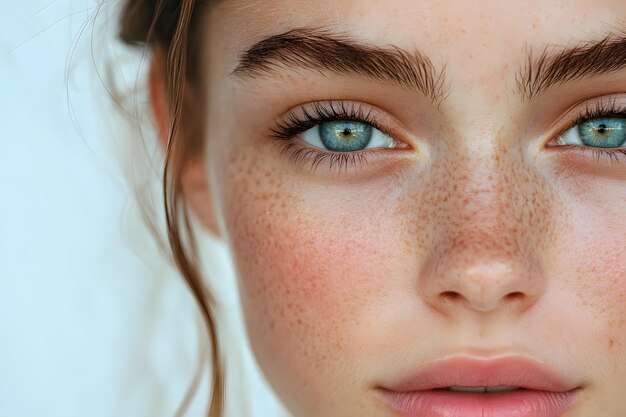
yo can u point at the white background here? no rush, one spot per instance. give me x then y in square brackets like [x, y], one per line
[93, 319]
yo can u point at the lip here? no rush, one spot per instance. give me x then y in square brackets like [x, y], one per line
[544, 392]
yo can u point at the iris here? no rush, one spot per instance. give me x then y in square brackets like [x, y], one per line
[603, 132]
[345, 136]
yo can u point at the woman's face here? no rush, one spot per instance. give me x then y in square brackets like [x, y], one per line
[458, 217]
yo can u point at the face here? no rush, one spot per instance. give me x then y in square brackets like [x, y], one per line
[424, 195]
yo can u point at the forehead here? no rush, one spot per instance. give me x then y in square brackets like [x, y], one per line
[432, 26]
[482, 46]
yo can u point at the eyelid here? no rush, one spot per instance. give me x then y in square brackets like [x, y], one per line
[287, 135]
[582, 111]
[378, 117]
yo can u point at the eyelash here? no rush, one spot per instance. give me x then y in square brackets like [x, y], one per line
[598, 110]
[318, 113]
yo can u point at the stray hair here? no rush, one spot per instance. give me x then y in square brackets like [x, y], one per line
[172, 27]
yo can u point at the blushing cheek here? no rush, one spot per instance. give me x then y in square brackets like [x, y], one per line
[301, 266]
[304, 284]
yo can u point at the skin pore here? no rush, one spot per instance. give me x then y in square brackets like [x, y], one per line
[476, 233]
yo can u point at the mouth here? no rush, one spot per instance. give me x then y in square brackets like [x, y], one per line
[468, 387]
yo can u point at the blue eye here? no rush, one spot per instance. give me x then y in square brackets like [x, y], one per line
[346, 136]
[602, 132]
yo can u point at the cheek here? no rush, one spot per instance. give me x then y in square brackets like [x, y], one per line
[305, 263]
[312, 261]
[602, 273]
[595, 260]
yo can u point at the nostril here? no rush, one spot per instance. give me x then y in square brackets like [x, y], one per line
[455, 297]
[450, 296]
[515, 296]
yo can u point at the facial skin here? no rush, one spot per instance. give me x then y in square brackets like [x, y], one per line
[478, 236]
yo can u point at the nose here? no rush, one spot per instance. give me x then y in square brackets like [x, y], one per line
[486, 286]
[492, 236]
[483, 281]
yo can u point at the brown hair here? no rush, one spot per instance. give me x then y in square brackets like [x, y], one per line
[170, 25]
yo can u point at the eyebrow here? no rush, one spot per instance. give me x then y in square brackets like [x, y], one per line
[585, 60]
[323, 51]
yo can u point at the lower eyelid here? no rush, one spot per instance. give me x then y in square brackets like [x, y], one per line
[303, 155]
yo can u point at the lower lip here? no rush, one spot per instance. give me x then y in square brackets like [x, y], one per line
[441, 403]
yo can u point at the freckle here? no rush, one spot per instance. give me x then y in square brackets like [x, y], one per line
[611, 343]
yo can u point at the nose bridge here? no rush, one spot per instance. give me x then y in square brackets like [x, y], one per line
[483, 255]
[487, 205]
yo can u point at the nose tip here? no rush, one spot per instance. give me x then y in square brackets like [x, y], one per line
[485, 287]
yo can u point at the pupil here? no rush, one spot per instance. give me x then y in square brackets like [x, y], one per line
[602, 129]
[347, 132]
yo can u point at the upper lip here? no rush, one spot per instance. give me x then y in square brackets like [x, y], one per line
[479, 372]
